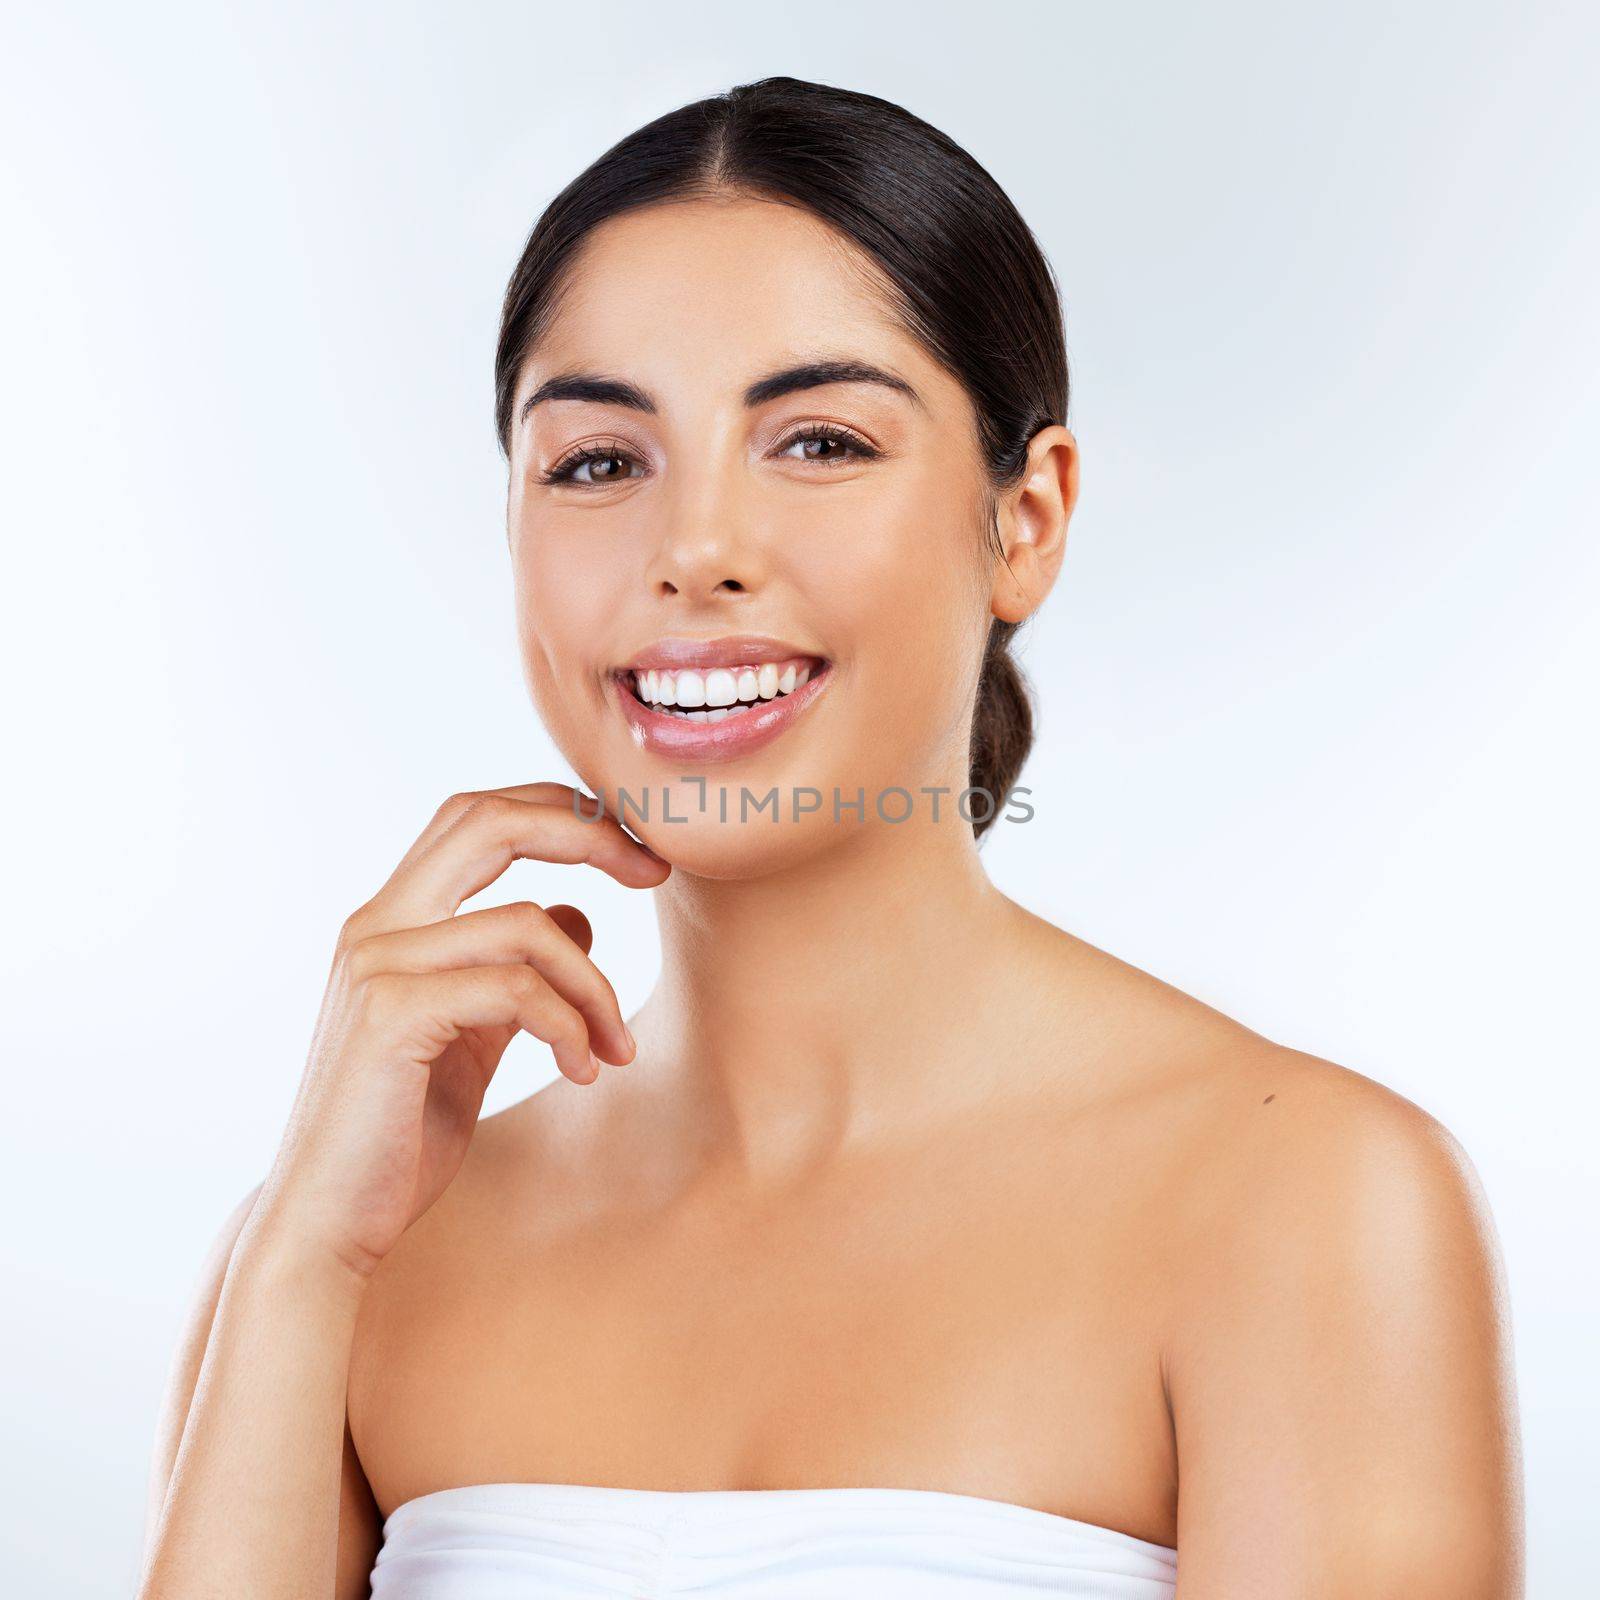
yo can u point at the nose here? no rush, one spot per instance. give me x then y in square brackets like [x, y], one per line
[709, 546]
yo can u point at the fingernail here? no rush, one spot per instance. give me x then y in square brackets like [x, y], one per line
[634, 1043]
[594, 1062]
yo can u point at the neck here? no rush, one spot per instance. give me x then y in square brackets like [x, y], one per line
[824, 1007]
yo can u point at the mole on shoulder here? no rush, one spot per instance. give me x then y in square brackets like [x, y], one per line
[1270, 1098]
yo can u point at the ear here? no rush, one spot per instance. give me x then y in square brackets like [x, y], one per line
[1033, 521]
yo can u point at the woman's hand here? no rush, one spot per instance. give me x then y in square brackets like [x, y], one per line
[420, 1006]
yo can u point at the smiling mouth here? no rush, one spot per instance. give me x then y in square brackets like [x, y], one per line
[718, 694]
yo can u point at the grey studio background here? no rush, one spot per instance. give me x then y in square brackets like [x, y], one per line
[1318, 681]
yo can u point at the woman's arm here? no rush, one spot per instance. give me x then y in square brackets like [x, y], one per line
[420, 1005]
[184, 1374]
[258, 1385]
[1341, 1386]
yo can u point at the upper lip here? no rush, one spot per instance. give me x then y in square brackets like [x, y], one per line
[731, 650]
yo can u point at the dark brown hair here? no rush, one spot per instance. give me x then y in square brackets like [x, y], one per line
[966, 274]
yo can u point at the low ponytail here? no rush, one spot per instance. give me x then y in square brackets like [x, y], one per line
[1002, 727]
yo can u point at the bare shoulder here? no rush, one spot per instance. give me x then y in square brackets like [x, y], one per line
[1337, 1343]
[1335, 1339]
[1276, 1159]
[1254, 1135]
[1289, 1150]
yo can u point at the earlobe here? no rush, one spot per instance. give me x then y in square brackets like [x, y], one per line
[1016, 591]
[1033, 525]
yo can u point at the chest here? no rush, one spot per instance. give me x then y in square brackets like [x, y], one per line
[955, 1330]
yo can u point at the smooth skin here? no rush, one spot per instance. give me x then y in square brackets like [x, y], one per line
[903, 1185]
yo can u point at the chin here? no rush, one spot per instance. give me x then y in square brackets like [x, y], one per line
[732, 851]
[693, 818]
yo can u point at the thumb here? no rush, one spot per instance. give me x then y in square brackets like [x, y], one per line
[574, 924]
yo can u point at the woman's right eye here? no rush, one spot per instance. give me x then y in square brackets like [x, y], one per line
[590, 456]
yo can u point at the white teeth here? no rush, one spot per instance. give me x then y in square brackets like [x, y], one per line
[720, 690]
[715, 714]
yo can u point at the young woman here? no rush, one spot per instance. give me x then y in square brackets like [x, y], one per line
[902, 1243]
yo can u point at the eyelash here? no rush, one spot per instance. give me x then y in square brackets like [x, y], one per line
[563, 470]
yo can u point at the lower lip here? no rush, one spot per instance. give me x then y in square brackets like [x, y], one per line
[663, 734]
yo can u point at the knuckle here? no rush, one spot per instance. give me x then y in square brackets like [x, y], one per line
[528, 916]
[478, 809]
[357, 961]
[378, 998]
[572, 1030]
[494, 810]
[354, 928]
[523, 981]
[457, 806]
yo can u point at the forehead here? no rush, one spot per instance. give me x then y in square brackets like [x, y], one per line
[707, 291]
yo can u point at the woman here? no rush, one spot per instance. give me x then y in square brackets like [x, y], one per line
[902, 1243]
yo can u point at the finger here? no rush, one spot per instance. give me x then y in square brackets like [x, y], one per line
[488, 833]
[578, 801]
[548, 793]
[450, 811]
[424, 1012]
[521, 932]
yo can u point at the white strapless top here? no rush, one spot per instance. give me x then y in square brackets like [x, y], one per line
[573, 1541]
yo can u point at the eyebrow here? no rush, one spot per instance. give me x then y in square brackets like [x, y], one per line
[787, 380]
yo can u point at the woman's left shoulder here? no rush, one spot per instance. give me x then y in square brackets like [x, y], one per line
[1336, 1348]
[1302, 1175]
[1301, 1135]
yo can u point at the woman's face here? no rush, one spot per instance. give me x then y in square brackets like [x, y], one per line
[705, 514]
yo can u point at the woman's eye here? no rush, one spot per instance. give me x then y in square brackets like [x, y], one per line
[599, 466]
[594, 458]
[832, 446]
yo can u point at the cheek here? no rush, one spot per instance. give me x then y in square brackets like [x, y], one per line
[896, 566]
[563, 596]
[907, 595]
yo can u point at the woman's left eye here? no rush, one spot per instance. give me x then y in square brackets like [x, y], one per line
[846, 446]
